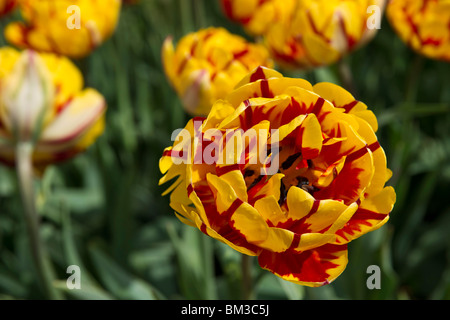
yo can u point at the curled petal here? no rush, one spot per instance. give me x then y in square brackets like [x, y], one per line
[372, 214]
[80, 114]
[313, 268]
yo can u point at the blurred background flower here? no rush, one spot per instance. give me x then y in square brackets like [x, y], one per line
[328, 190]
[7, 6]
[256, 16]
[207, 64]
[42, 101]
[70, 28]
[423, 25]
[320, 32]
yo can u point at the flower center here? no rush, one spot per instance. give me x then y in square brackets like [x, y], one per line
[297, 171]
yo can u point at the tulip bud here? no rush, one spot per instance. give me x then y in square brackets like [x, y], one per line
[27, 94]
[43, 105]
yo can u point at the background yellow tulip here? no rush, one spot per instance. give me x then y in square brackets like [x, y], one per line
[71, 28]
[321, 32]
[423, 25]
[206, 65]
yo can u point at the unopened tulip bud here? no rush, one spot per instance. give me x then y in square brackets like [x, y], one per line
[43, 105]
[26, 96]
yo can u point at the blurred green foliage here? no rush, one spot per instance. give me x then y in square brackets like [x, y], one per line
[104, 212]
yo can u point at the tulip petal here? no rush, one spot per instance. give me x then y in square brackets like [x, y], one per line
[371, 215]
[352, 181]
[313, 268]
[270, 210]
[76, 118]
[243, 217]
[343, 99]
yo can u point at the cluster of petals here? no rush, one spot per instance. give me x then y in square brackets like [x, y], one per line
[308, 33]
[206, 65]
[328, 189]
[73, 28]
[424, 25]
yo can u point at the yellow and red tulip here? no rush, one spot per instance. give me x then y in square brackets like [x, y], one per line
[320, 185]
[321, 32]
[42, 101]
[206, 65]
[257, 16]
[7, 6]
[73, 28]
[424, 25]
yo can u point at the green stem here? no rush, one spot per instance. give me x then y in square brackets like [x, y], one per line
[187, 23]
[199, 14]
[247, 284]
[413, 80]
[25, 175]
[346, 76]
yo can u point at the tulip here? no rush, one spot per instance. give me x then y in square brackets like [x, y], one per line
[66, 27]
[423, 25]
[322, 32]
[42, 103]
[297, 173]
[45, 117]
[257, 16]
[206, 65]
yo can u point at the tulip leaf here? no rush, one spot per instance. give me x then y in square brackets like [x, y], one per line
[195, 258]
[86, 292]
[119, 281]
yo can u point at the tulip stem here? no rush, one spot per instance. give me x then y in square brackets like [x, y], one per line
[246, 277]
[346, 76]
[24, 169]
[413, 80]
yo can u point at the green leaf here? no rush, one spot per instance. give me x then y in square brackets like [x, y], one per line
[293, 291]
[86, 292]
[194, 252]
[118, 281]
